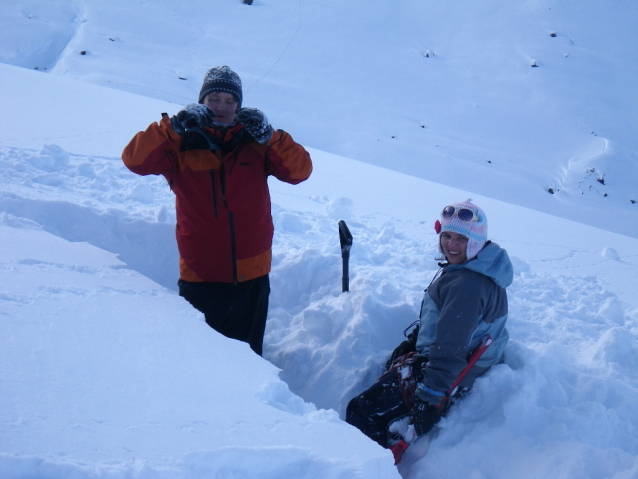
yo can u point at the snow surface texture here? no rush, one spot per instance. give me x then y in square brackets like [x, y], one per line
[530, 97]
[106, 373]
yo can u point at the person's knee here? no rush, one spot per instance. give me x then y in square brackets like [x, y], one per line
[354, 412]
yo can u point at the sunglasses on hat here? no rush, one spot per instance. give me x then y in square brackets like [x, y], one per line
[464, 214]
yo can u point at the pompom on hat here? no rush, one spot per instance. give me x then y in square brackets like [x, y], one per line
[475, 229]
[221, 79]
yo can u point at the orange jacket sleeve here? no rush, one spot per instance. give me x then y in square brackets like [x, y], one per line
[154, 151]
[288, 160]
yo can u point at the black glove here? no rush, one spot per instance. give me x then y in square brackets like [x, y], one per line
[256, 124]
[191, 116]
[414, 334]
[424, 416]
[428, 405]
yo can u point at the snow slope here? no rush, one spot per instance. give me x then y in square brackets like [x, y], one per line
[105, 372]
[444, 91]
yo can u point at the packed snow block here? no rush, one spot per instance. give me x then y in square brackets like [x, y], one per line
[617, 349]
[340, 208]
[102, 366]
[277, 463]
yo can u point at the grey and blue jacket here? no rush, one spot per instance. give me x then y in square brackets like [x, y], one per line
[464, 304]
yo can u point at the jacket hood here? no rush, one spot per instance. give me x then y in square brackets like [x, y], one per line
[492, 261]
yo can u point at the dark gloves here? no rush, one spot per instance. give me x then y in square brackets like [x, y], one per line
[425, 408]
[191, 116]
[424, 416]
[256, 124]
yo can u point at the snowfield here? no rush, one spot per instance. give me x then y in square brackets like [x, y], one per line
[444, 91]
[105, 372]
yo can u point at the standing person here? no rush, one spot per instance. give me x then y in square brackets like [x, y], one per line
[464, 304]
[216, 157]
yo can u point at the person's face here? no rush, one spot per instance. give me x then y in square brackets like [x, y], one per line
[454, 247]
[223, 105]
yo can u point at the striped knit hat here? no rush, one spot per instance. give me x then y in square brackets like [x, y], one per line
[221, 79]
[476, 231]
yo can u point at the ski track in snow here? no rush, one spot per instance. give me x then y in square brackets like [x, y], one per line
[571, 365]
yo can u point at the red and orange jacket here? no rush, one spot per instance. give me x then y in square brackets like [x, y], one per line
[224, 224]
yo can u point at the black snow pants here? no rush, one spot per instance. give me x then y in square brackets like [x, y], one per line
[389, 399]
[377, 407]
[237, 311]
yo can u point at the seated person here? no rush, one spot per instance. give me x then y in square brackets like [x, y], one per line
[465, 304]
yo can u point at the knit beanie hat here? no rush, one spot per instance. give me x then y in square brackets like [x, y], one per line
[221, 79]
[476, 231]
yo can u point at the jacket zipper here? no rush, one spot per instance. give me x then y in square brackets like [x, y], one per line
[231, 220]
[212, 182]
[231, 225]
[233, 247]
